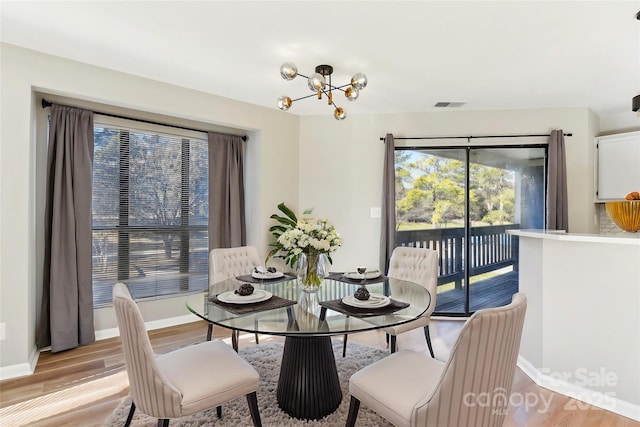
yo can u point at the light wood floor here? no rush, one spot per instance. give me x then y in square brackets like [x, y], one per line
[81, 387]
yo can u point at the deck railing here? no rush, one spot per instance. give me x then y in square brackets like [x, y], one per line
[491, 249]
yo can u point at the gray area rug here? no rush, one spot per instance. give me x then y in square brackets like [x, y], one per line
[266, 358]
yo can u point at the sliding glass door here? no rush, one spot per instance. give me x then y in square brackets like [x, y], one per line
[461, 201]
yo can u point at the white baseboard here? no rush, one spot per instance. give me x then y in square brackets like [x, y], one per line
[154, 324]
[21, 369]
[595, 398]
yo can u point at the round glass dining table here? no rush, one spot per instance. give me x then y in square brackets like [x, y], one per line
[308, 386]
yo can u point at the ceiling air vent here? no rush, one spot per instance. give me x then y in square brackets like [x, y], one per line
[449, 104]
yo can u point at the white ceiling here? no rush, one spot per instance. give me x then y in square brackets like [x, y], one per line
[491, 55]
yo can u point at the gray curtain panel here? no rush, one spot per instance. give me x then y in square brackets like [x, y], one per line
[388, 218]
[227, 227]
[557, 217]
[66, 319]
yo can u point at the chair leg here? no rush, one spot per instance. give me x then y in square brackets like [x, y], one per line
[163, 422]
[130, 416]
[344, 345]
[252, 400]
[234, 339]
[393, 343]
[209, 331]
[219, 411]
[257, 342]
[387, 338]
[428, 337]
[354, 406]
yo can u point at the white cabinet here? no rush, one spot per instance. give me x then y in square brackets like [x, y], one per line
[617, 162]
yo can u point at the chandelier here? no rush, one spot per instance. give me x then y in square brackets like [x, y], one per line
[318, 83]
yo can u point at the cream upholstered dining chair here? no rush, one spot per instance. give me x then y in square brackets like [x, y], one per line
[225, 263]
[471, 389]
[184, 381]
[419, 265]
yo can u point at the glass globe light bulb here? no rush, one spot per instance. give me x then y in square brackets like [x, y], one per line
[351, 93]
[284, 103]
[359, 81]
[288, 71]
[317, 82]
[340, 114]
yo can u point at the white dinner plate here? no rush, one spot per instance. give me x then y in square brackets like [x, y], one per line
[354, 275]
[267, 275]
[374, 301]
[258, 295]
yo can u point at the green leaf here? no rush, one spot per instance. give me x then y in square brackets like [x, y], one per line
[284, 220]
[278, 228]
[288, 212]
[271, 254]
[292, 261]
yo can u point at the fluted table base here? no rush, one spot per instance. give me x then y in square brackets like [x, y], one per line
[308, 387]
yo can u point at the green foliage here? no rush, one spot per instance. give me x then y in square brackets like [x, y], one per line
[433, 190]
[286, 222]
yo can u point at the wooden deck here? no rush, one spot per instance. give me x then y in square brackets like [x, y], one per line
[492, 292]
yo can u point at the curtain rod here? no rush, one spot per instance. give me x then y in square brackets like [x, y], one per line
[475, 137]
[46, 104]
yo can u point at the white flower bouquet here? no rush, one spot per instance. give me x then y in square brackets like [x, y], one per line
[295, 236]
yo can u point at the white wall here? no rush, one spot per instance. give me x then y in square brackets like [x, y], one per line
[272, 173]
[618, 123]
[342, 164]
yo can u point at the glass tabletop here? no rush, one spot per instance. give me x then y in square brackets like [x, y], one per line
[313, 314]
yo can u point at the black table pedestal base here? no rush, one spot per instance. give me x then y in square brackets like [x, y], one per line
[308, 387]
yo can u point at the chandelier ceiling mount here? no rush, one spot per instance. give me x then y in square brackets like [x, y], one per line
[320, 83]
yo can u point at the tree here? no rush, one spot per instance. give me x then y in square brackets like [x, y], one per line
[431, 189]
[496, 194]
[448, 202]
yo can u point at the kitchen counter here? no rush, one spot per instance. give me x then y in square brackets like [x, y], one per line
[582, 329]
[622, 238]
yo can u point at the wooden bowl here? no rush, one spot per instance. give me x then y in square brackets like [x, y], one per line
[625, 214]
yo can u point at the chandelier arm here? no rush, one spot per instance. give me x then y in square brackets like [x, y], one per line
[339, 87]
[304, 97]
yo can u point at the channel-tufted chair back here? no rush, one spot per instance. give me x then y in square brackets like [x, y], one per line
[151, 391]
[183, 381]
[471, 388]
[482, 363]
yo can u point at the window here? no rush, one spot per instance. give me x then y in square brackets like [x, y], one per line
[461, 201]
[150, 209]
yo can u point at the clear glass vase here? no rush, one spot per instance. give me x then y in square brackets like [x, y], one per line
[311, 269]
